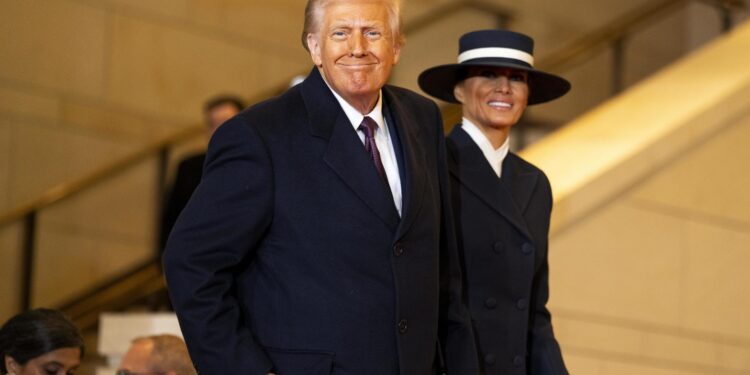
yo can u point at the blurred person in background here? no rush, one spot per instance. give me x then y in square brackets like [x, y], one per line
[40, 341]
[157, 354]
[502, 204]
[216, 111]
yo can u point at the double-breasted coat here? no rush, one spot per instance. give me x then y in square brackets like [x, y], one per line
[291, 256]
[502, 229]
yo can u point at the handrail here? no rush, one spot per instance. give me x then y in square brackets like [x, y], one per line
[69, 188]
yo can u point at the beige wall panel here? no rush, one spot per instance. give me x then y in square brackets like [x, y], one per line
[272, 26]
[681, 349]
[635, 366]
[6, 149]
[162, 70]
[717, 297]
[654, 47]
[123, 127]
[709, 180]
[19, 103]
[44, 157]
[171, 8]
[735, 357]
[435, 45]
[278, 72]
[10, 270]
[591, 83]
[581, 334]
[66, 54]
[619, 262]
[121, 208]
[70, 262]
[581, 365]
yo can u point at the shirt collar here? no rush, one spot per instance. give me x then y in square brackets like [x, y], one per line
[354, 116]
[494, 156]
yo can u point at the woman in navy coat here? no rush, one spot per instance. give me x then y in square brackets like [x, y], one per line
[502, 203]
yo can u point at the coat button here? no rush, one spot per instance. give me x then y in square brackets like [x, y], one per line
[518, 360]
[498, 247]
[522, 304]
[398, 249]
[402, 326]
[490, 303]
[527, 248]
[489, 359]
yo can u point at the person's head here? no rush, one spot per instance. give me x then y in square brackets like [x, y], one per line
[219, 109]
[158, 354]
[354, 44]
[40, 341]
[494, 79]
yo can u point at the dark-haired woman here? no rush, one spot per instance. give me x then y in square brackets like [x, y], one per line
[502, 203]
[40, 342]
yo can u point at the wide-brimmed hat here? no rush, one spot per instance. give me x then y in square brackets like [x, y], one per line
[493, 48]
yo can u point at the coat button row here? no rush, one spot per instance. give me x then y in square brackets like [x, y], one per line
[518, 360]
[398, 249]
[527, 248]
[522, 304]
[489, 359]
[490, 303]
[402, 326]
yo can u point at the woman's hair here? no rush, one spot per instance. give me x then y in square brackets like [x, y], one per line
[36, 332]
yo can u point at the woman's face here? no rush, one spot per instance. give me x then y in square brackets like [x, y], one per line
[493, 97]
[64, 361]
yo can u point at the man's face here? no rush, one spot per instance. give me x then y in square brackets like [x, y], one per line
[493, 98]
[220, 114]
[355, 48]
[138, 357]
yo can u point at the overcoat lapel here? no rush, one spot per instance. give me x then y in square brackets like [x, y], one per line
[413, 178]
[470, 167]
[345, 154]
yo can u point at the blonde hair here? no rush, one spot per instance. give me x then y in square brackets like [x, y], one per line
[314, 15]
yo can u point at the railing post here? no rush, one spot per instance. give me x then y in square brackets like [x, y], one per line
[725, 11]
[618, 65]
[27, 266]
[161, 185]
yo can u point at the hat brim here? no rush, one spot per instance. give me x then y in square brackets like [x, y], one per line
[439, 81]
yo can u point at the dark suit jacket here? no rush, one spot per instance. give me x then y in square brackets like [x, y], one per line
[291, 255]
[187, 178]
[502, 229]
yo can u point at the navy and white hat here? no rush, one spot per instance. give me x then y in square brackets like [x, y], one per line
[493, 48]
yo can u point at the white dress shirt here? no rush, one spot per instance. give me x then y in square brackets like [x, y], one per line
[382, 140]
[494, 156]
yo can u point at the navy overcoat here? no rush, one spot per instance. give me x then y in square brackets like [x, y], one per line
[291, 257]
[502, 230]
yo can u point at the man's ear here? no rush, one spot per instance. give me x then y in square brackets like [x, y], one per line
[396, 52]
[10, 365]
[313, 45]
[459, 92]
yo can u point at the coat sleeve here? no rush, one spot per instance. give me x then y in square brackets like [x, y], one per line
[545, 357]
[455, 331]
[217, 234]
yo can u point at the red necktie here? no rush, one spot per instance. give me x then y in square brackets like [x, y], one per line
[368, 126]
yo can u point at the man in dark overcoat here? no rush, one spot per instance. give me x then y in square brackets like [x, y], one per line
[320, 239]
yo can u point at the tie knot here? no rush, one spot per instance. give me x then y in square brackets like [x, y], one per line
[368, 126]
